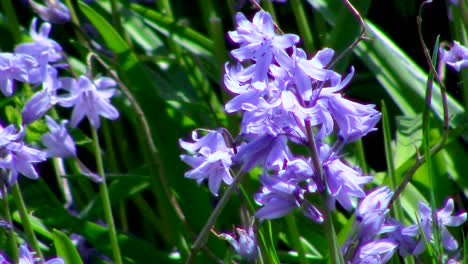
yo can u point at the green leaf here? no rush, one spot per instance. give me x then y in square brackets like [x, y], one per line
[65, 248]
[188, 38]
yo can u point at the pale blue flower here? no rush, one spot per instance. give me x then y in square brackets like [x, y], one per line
[245, 245]
[26, 257]
[456, 57]
[89, 98]
[58, 142]
[211, 159]
[19, 67]
[54, 11]
[42, 101]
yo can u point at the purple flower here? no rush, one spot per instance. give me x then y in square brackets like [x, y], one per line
[378, 252]
[58, 142]
[259, 42]
[42, 101]
[20, 158]
[43, 49]
[344, 183]
[89, 98]
[26, 257]
[54, 11]
[443, 219]
[287, 189]
[211, 159]
[456, 57]
[19, 67]
[245, 245]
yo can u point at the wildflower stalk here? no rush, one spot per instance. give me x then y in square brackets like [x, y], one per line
[329, 228]
[303, 25]
[441, 144]
[11, 231]
[201, 238]
[25, 221]
[106, 200]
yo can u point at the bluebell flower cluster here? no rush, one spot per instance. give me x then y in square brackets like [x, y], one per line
[38, 63]
[288, 98]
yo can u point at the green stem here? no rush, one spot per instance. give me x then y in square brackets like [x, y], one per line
[13, 24]
[361, 156]
[25, 221]
[106, 201]
[11, 231]
[268, 6]
[201, 238]
[330, 229]
[303, 25]
[296, 238]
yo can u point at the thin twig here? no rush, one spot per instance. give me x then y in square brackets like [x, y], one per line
[441, 144]
[149, 138]
[362, 36]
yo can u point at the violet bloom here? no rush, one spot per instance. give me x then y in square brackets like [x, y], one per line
[456, 57]
[211, 159]
[58, 142]
[377, 252]
[20, 159]
[89, 98]
[26, 257]
[245, 245]
[259, 42]
[443, 219]
[54, 11]
[43, 49]
[344, 183]
[287, 189]
[42, 101]
[17, 67]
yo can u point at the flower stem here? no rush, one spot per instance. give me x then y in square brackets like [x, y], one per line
[201, 238]
[11, 231]
[330, 229]
[296, 238]
[23, 212]
[106, 201]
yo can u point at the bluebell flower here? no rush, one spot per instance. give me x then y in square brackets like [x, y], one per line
[54, 11]
[345, 184]
[443, 219]
[19, 67]
[43, 49]
[211, 159]
[26, 257]
[286, 190]
[456, 57]
[58, 142]
[42, 101]
[89, 98]
[375, 252]
[245, 245]
[20, 158]
[259, 42]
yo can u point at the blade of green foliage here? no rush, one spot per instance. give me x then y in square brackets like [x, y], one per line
[184, 36]
[65, 248]
[134, 249]
[166, 128]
